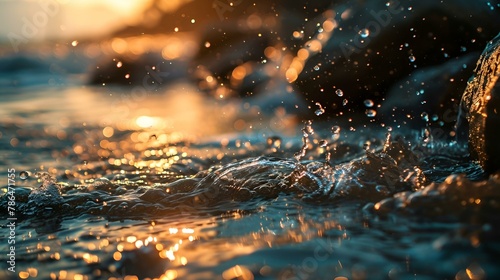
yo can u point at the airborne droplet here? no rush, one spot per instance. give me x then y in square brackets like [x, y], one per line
[323, 143]
[425, 116]
[368, 103]
[336, 129]
[364, 33]
[336, 132]
[371, 113]
[339, 92]
[320, 110]
[24, 175]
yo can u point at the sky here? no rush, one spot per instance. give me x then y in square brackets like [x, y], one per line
[35, 20]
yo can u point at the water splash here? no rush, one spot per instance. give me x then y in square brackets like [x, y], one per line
[307, 131]
[320, 110]
[335, 132]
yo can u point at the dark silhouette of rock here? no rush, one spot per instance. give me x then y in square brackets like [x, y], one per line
[360, 47]
[480, 108]
[376, 44]
[430, 95]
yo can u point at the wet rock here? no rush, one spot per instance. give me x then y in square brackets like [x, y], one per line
[360, 47]
[480, 108]
[377, 43]
[430, 96]
[228, 59]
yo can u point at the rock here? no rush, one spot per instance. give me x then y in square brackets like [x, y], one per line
[480, 109]
[430, 95]
[228, 57]
[360, 47]
[377, 43]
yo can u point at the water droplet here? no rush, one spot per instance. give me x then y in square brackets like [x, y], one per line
[345, 101]
[308, 130]
[74, 43]
[424, 116]
[24, 175]
[364, 33]
[371, 113]
[367, 145]
[119, 64]
[320, 110]
[323, 143]
[207, 44]
[412, 58]
[435, 117]
[336, 129]
[339, 92]
[368, 103]
[387, 142]
[127, 76]
[317, 67]
[426, 135]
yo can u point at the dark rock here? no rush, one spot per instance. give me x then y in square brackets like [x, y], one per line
[480, 108]
[402, 37]
[229, 56]
[430, 96]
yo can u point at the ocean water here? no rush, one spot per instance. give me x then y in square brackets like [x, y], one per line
[113, 182]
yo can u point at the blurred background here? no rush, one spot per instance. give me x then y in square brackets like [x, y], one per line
[70, 19]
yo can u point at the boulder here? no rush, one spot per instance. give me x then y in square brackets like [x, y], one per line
[479, 116]
[429, 96]
[379, 42]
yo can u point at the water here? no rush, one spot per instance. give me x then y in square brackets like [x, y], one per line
[111, 183]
